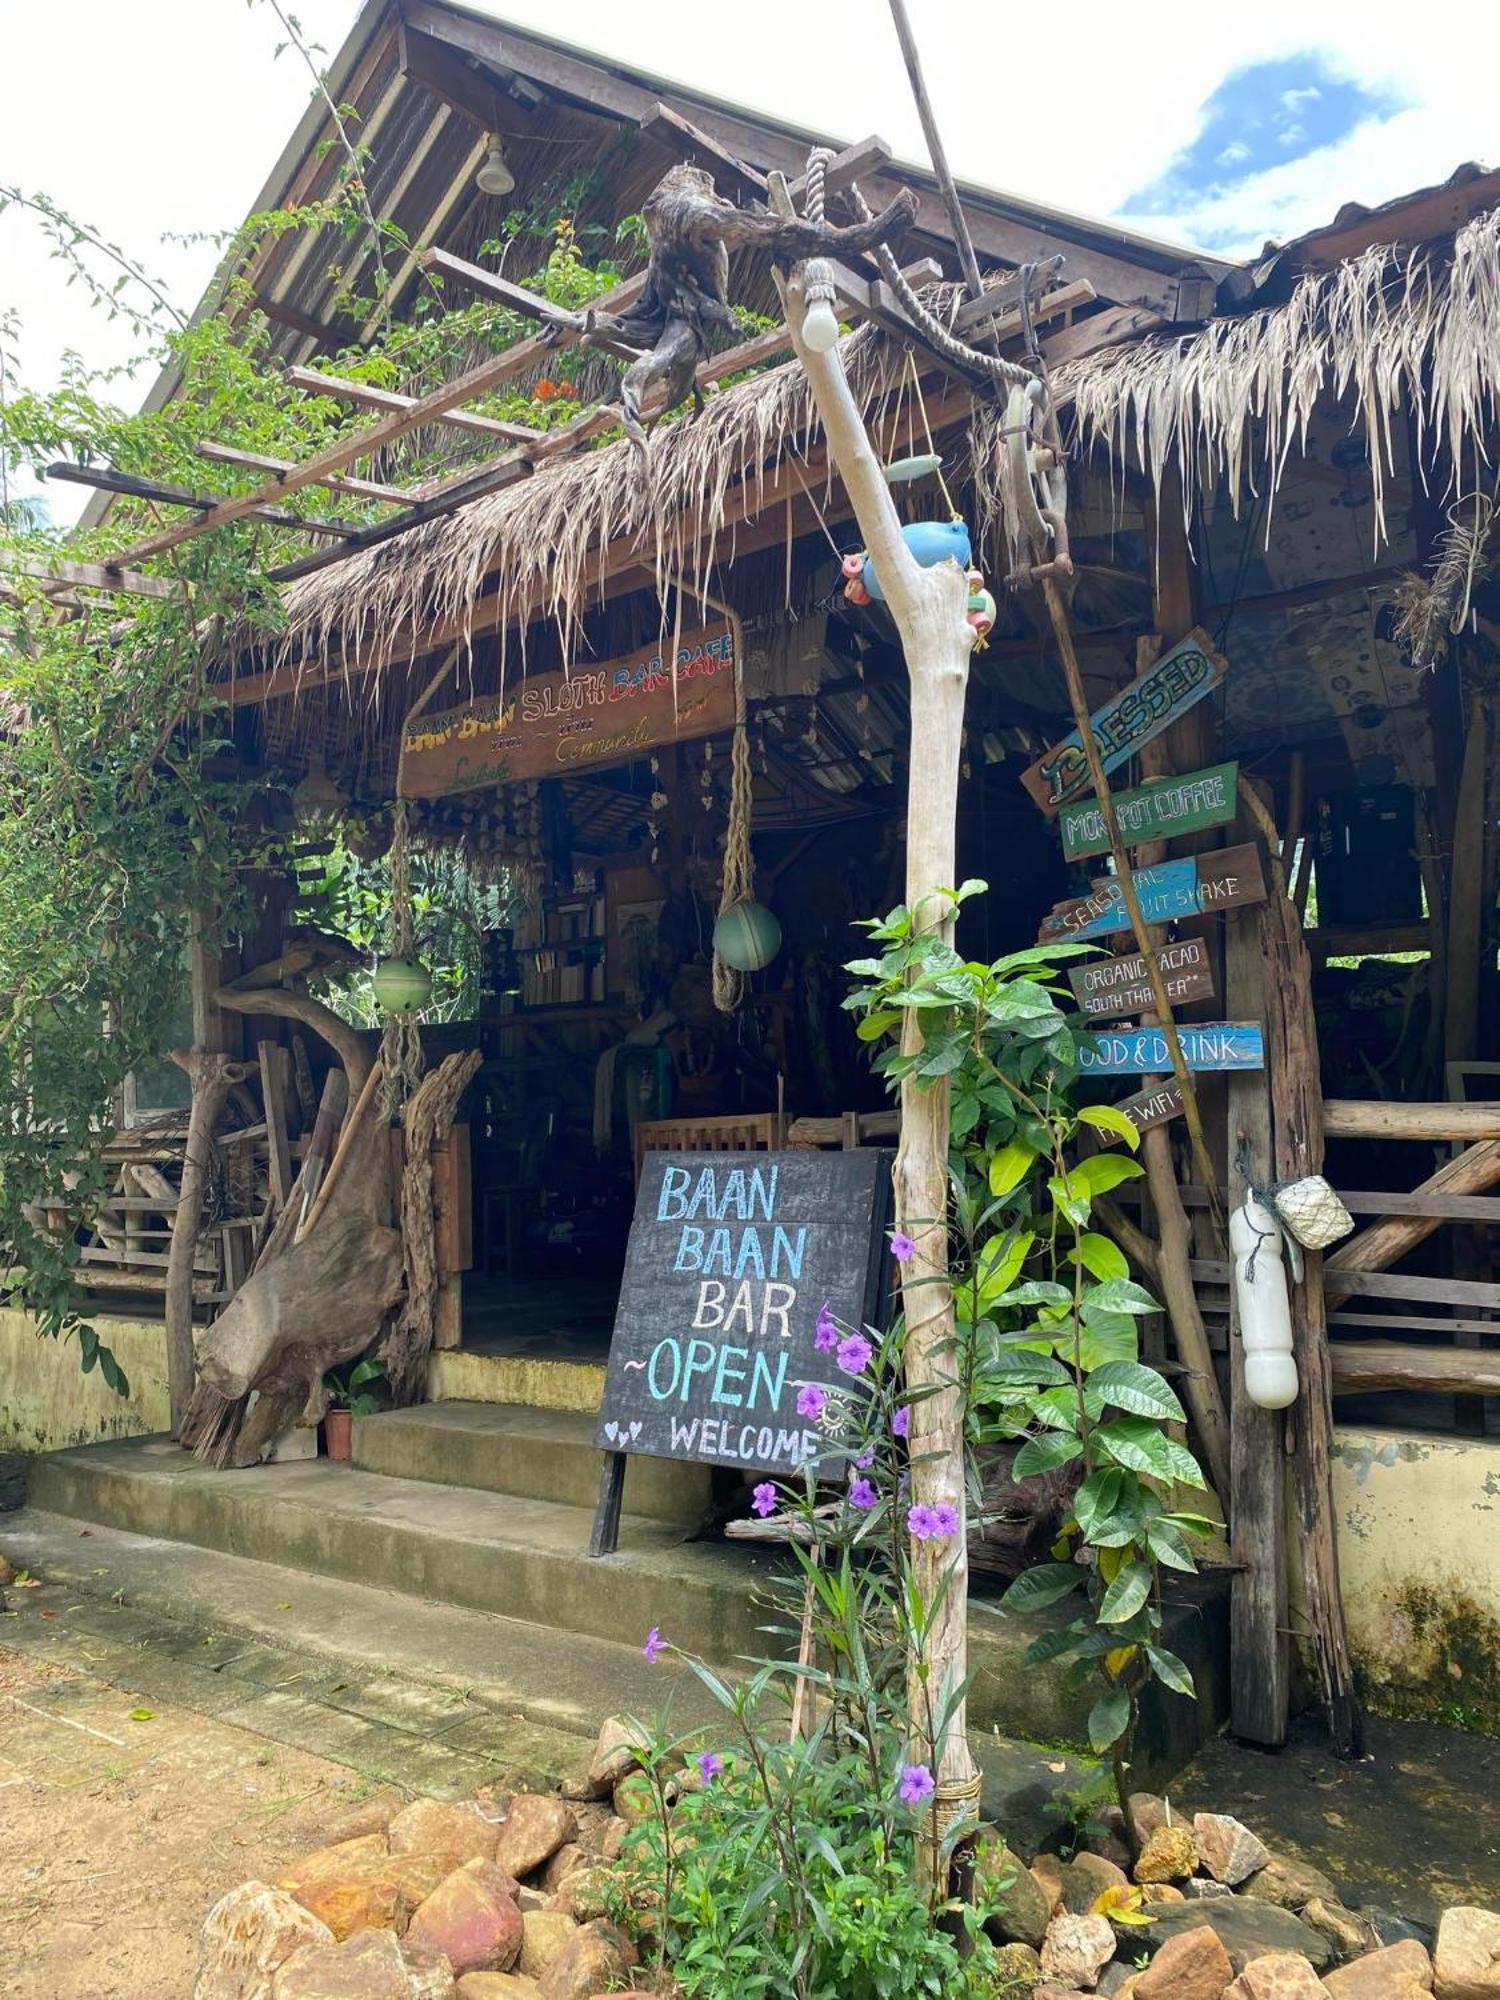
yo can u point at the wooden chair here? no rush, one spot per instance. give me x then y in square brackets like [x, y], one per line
[742, 1132]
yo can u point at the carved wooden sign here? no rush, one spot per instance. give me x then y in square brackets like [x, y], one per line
[547, 725]
[1150, 1107]
[1113, 986]
[1156, 811]
[1196, 886]
[1206, 1045]
[1135, 716]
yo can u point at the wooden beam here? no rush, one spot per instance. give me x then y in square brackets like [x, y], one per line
[336, 482]
[477, 381]
[318, 383]
[687, 141]
[1475, 1169]
[530, 305]
[110, 481]
[280, 313]
[1374, 1118]
[1360, 1367]
[90, 575]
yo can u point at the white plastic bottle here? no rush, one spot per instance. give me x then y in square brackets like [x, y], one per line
[1265, 1311]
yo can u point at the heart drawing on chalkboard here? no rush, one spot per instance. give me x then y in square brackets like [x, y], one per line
[619, 1435]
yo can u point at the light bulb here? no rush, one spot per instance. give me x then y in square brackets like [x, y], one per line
[495, 177]
[820, 326]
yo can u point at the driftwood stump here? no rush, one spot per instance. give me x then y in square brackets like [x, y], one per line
[212, 1078]
[428, 1119]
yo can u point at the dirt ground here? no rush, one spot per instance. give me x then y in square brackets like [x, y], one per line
[120, 1825]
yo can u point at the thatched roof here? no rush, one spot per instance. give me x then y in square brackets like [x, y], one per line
[1388, 334]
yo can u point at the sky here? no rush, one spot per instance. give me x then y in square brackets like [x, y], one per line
[1221, 127]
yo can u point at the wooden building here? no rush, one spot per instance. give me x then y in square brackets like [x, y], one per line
[1291, 458]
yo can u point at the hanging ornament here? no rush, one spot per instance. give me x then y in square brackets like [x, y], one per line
[318, 795]
[901, 471]
[929, 541]
[1263, 1307]
[747, 936]
[1312, 1211]
[403, 986]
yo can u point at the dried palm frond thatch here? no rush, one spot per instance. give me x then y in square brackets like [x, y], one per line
[1430, 610]
[1389, 333]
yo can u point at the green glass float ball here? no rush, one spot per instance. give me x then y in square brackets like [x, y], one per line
[402, 986]
[747, 936]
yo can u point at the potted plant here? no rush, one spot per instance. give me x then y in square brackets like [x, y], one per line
[353, 1391]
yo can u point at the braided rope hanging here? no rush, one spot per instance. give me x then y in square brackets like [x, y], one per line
[737, 884]
[401, 1042]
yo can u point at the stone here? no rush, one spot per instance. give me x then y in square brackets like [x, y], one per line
[430, 1827]
[1247, 1929]
[1016, 1972]
[1085, 1879]
[1202, 1888]
[374, 1816]
[1349, 1934]
[534, 1829]
[584, 1895]
[1192, 1966]
[595, 1960]
[1168, 1856]
[1168, 1892]
[612, 1840]
[1390, 1927]
[1047, 1871]
[1395, 1972]
[635, 1798]
[545, 1936]
[1289, 1883]
[496, 1986]
[1149, 1812]
[428, 1971]
[473, 1917]
[567, 1859]
[370, 1898]
[367, 1967]
[617, 1751]
[1279, 1975]
[1016, 1907]
[1467, 1959]
[327, 1864]
[1076, 1950]
[1114, 1979]
[528, 1900]
[1227, 1849]
[246, 1936]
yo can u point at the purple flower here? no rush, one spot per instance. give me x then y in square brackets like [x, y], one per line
[826, 1339]
[866, 1459]
[861, 1493]
[921, 1522]
[710, 1764]
[902, 1247]
[763, 1499]
[854, 1354]
[654, 1644]
[811, 1401]
[916, 1784]
[901, 1422]
[945, 1519]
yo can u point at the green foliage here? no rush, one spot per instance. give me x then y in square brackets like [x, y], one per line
[358, 1387]
[1046, 1310]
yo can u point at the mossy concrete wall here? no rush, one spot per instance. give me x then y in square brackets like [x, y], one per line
[46, 1400]
[1419, 1524]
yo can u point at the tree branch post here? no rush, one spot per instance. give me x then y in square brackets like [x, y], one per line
[212, 1077]
[928, 606]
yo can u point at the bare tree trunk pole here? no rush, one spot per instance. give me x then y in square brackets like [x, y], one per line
[212, 1077]
[928, 606]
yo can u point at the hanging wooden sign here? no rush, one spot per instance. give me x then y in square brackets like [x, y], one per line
[1135, 716]
[548, 725]
[1213, 1045]
[1150, 1107]
[1195, 886]
[1156, 811]
[1114, 986]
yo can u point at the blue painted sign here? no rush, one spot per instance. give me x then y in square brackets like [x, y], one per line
[1210, 1045]
[1196, 886]
[1135, 716]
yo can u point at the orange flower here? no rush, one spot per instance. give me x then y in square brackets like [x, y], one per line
[544, 390]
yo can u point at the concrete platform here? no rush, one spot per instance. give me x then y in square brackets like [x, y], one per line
[542, 1454]
[524, 1560]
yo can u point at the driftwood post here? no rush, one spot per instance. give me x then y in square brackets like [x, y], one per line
[928, 606]
[212, 1077]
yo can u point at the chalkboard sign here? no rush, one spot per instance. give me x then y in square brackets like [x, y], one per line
[731, 1256]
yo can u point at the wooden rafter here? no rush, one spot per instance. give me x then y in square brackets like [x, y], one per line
[56, 571]
[107, 480]
[336, 482]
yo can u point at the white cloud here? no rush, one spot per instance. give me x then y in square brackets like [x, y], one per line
[1232, 155]
[1294, 100]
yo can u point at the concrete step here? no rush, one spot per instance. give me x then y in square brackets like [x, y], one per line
[538, 1454]
[525, 1560]
[431, 1698]
[537, 1381]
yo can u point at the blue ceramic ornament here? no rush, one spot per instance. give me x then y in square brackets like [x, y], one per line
[747, 936]
[930, 542]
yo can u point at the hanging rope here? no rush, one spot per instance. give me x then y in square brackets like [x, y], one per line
[738, 881]
[401, 1043]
